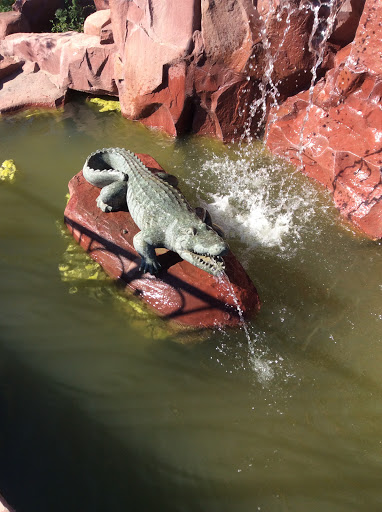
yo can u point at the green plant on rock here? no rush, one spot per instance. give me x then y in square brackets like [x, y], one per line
[71, 17]
[6, 5]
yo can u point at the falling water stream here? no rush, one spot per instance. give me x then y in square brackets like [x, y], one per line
[267, 102]
[260, 367]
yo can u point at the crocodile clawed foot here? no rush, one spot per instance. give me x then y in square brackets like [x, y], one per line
[103, 206]
[152, 267]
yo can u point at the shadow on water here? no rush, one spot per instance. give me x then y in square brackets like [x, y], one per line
[57, 457]
[48, 446]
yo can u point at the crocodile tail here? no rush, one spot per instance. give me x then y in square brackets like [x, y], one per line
[105, 166]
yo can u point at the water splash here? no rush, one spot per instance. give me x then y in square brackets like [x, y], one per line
[251, 205]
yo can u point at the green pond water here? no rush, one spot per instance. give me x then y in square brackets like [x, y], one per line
[103, 407]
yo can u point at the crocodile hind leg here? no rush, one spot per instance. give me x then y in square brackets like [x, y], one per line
[146, 251]
[113, 197]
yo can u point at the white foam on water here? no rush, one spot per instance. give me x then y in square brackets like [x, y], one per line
[253, 356]
[259, 205]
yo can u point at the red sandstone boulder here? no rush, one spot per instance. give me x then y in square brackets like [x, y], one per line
[180, 292]
[150, 41]
[12, 22]
[101, 4]
[96, 22]
[78, 61]
[336, 135]
[347, 21]
[192, 61]
[230, 37]
[31, 88]
[191, 69]
[9, 65]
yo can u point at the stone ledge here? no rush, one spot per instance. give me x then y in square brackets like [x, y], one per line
[29, 88]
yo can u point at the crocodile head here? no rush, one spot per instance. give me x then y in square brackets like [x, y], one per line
[201, 246]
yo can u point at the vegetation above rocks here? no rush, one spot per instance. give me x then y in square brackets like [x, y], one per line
[72, 16]
[6, 5]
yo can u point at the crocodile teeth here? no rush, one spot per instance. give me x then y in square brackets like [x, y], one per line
[211, 264]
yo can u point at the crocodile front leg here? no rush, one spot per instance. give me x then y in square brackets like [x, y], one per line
[146, 251]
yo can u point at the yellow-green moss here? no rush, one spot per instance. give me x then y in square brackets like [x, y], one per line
[8, 171]
[106, 105]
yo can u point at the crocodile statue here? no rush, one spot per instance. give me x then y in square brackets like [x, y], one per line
[158, 208]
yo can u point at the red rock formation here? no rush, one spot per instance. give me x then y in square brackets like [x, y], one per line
[347, 21]
[188, 65]
[221, 67]
[9, 65]
[96, 22]
[181, 292]
[193, 65]
[101, 4]
[152, 42]
[335, 135]
[78, 61]
[31, 88]
[12, 22]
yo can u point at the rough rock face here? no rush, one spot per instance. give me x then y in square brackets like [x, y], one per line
[181, 292]
[347, 20]
[78, 61]
[30, 88]
[221, 64]
[9, 65]
[96, 22]
[152, 87]
[101, 4]
[201, 64]
[198, 65]
[12, 22]
[335, 133]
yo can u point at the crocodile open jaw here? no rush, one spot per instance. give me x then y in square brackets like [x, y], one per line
[210, 263]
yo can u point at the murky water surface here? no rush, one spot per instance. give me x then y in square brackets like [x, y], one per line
[103, 407]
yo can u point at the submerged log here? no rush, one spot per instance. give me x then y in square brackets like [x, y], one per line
[181, 292]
